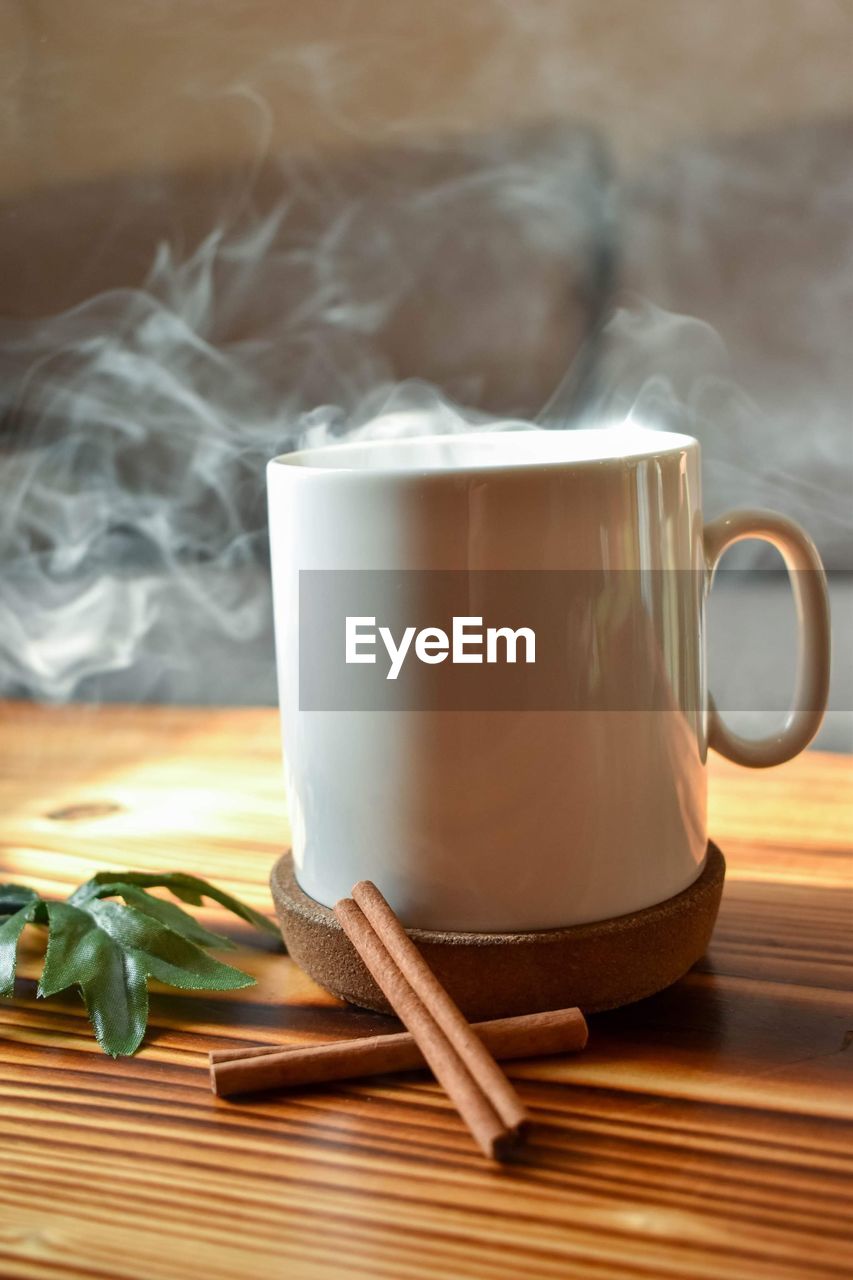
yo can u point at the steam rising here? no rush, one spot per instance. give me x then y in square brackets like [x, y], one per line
[142, 436]
[133, 521]
[133, 527]
[675, 372]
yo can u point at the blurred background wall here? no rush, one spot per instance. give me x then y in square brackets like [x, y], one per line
[216, 217]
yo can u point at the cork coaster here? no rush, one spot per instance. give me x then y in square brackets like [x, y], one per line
[495, 975]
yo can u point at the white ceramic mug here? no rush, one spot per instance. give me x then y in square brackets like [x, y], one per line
[516, 819]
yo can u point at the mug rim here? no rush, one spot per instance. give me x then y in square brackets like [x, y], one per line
[331, 459]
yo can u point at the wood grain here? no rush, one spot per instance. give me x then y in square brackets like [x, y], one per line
[707, 1132]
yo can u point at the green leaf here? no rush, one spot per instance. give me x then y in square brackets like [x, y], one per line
[188, 888]
[15, 896]
[112, 980]
[109, 951]
[172, 916]
[166, 955]
[11, 930]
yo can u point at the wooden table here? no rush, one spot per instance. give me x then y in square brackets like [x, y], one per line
[707, 1132]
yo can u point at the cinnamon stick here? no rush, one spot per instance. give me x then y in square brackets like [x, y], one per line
[234, 1071]
[492, 1135]
[446, 1012]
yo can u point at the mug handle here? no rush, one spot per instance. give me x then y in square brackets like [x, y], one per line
[808, 583]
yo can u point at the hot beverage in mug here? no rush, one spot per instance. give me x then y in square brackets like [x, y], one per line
[483, 791]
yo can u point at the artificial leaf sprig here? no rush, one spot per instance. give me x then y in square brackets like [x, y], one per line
[109, 949]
